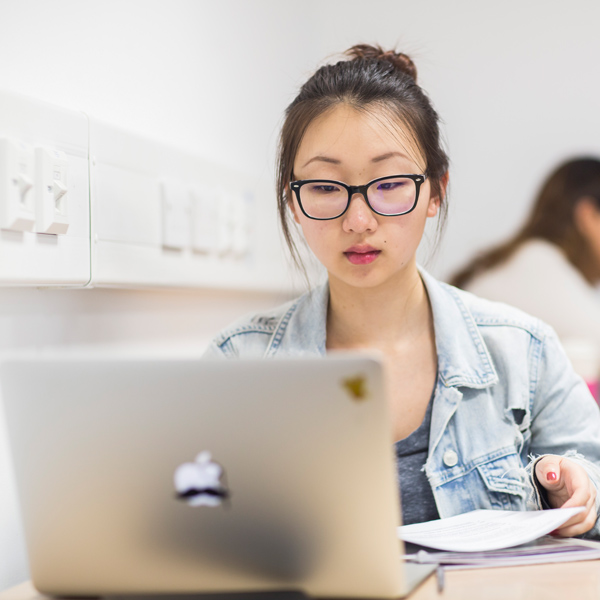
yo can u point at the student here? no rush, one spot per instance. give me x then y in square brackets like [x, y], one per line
[550, 267]
[474, 388]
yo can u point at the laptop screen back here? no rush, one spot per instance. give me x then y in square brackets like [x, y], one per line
[157, 476]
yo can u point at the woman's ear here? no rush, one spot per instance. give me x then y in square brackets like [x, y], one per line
[434, 205]
[436, 201]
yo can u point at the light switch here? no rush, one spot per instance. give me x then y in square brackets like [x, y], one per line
[240, 224]
[225, 203]
[17, 202]
[176, 215]
[51, 191]
[204, 220]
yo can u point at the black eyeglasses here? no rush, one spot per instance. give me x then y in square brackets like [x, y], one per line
[325, 199]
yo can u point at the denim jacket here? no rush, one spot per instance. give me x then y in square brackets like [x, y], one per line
[505, 394]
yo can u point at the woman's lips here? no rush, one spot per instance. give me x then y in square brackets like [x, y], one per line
[361, 255]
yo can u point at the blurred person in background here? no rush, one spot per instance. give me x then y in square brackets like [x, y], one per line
[550, 268]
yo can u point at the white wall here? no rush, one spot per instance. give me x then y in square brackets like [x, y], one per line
[209, 77]
[515, 83]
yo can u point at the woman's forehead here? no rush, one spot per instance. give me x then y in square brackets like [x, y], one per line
[345, 134]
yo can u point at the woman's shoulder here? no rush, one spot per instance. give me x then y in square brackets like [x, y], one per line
[493, 313]
[540, 251]
[295, 324]
[477, 339]
[483, 313]
[541, 281]
[252, 333]
[536, 262]
[514, 341]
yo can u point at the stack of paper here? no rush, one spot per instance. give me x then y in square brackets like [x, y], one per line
[489, 538]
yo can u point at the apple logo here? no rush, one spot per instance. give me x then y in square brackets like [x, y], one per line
[198, 483]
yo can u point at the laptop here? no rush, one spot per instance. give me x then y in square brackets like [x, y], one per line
[186, 477]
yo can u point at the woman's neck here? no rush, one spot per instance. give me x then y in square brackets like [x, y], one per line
[380, 317]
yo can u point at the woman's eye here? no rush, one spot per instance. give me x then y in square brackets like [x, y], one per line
[388, 186]
[324, 189]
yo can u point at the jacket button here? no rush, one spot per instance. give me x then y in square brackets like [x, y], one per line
[450, 458]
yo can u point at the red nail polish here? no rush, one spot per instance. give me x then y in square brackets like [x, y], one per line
[551, 476]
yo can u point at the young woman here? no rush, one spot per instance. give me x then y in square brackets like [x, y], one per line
[486, 410]
[551, 266]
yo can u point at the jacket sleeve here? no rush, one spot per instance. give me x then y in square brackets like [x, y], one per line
[565, 419]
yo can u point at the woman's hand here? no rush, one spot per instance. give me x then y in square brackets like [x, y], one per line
[567, 484]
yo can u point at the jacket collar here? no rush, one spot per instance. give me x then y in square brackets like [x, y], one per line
[303, 330]
[463, 358]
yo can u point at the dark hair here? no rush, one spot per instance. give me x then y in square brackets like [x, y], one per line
[371, 77]
[551, 219]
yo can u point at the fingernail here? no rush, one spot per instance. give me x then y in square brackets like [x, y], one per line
[551, 476]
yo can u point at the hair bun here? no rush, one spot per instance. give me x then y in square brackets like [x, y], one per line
[399, 60]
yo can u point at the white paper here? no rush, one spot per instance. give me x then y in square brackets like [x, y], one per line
[484, 530]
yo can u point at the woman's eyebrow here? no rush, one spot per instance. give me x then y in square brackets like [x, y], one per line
[388, 155]
[335, 161]
[321, 158]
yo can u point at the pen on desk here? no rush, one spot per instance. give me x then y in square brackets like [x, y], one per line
[439, 572]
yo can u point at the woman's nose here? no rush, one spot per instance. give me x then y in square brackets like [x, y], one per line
[359, 217]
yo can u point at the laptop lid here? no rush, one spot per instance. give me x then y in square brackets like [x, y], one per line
[152, 476]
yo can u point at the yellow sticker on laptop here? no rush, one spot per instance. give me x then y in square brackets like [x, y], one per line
[356, 387]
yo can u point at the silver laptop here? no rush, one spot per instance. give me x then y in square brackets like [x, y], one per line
[179, 477]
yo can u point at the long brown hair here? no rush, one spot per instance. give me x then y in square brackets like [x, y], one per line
[551, 219]
[370, 78]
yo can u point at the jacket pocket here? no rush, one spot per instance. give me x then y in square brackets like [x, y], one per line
[505, 482]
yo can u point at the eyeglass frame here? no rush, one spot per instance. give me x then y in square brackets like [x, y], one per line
[358, 189]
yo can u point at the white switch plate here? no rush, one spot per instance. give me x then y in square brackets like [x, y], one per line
[51, 191]
[240, 210]
[224, 202]
[176, 215]
[17, 203]
[204, 220]
[138, 233]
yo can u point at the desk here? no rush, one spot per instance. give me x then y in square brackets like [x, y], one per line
[565, 581]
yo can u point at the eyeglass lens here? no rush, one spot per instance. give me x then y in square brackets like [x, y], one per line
[326, 200]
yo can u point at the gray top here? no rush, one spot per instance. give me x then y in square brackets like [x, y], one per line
[416, 496]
